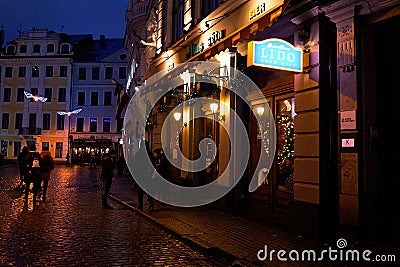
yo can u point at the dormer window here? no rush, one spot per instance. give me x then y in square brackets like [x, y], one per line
[10, 50]
[22, 48]
[36, 48]
[65, 49]
[50, 48]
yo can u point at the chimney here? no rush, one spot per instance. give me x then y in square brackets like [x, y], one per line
[102, 40]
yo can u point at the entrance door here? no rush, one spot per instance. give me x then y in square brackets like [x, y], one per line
[276, 193]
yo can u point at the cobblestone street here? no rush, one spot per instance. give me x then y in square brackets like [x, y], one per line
[71, 228]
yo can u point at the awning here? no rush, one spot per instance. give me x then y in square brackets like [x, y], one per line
[245, 33]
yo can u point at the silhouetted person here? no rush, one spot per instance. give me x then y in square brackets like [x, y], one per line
[107, 176]
[33, 175]
[46, 167]
[143, 167]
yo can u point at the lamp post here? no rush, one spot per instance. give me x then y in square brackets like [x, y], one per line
[69, 113]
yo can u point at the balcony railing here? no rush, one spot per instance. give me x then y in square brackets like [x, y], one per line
[28, 130]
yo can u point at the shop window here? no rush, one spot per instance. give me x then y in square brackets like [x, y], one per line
[285, 143]
[59, 150]
[48, 93]
[20, 94]
[46, 121]
[7, 95]
[60, 122]
[21, 72]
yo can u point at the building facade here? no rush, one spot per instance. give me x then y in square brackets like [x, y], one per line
[96, 128]
[330, 170]
[72, 75]
[38, 63]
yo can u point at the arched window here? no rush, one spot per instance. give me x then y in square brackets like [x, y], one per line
[10, 50]
[65, 49]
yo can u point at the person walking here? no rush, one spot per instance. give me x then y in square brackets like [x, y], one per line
[33, 175]
[107, 176]
[141, 167]
[45, 170]
[22, 157]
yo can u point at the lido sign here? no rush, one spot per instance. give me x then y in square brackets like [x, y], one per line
[275, 54]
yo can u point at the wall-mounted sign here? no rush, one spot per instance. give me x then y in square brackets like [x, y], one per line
[257, 11]
[216, 37]
[275, 54]
[348, 120]
[171, 66]
[347, 142]
[194, 49]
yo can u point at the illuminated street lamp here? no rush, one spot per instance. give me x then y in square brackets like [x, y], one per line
[69, 113]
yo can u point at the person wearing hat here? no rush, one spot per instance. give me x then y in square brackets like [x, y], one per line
[107, 176]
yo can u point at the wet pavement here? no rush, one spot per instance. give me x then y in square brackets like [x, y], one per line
[71, 228]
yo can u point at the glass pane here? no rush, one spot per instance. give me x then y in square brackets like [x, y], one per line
[285, 143]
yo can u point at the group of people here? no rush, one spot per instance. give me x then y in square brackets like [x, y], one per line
[158, 162]
[35, 169]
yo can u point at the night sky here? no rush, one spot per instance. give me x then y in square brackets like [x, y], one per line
[77, 16]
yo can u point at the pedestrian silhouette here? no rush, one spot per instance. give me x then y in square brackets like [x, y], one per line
[45, 169]
[33, 175]
[143, 167]
[107, 176]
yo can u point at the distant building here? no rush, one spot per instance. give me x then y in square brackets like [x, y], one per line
[96, 128]
[40, 63]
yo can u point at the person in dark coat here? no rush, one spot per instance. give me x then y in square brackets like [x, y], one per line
[107, 176]
[141, 164]
[45, 169]
[33, 175]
